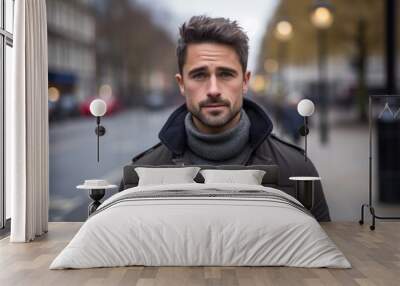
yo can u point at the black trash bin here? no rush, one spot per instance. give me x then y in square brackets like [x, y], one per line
[388, 147]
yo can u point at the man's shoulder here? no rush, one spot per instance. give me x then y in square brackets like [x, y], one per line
[277, 150]
[293, 155]
[287, 152]
[155, 155]
[285, 144]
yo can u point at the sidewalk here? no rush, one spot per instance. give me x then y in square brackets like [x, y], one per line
[343, 167]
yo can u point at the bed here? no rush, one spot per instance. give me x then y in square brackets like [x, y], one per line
[201, 224]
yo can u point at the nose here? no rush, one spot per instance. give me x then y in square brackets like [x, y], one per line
[213, 89]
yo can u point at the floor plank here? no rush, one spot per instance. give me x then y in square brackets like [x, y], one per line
[374, 255]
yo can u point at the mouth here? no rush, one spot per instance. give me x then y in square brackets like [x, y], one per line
[214, 108]
[214, 105]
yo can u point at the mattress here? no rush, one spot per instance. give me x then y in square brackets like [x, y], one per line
[201, 225]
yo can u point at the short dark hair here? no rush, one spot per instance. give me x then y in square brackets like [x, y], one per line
[202, 29]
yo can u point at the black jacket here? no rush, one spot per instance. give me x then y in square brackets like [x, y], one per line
[267, 149]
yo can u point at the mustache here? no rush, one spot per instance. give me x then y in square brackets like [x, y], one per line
[218, 101]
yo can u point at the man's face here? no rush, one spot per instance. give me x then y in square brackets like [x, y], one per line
[213, 83]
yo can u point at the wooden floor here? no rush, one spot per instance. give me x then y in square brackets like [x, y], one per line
[374, 255]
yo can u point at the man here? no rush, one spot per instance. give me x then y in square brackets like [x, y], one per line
[217, 125]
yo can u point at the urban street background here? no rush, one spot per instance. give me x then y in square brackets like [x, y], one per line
[334, 52]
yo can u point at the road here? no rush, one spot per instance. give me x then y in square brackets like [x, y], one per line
[73, 156]
[342, 164]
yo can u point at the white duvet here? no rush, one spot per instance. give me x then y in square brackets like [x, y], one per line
[181, 231]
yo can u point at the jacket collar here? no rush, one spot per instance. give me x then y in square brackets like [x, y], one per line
[173, 134]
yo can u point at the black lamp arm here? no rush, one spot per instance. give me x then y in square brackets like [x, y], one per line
[305, 137]
[100, 131]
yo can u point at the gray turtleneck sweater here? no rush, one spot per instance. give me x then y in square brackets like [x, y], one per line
[227, 148]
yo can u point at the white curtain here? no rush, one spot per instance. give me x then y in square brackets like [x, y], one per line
[27, 124]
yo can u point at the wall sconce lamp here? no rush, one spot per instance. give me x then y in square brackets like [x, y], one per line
[305, 108]
[98, 108]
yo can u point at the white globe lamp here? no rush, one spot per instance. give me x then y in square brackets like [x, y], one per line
[306, 107]
[98, 107]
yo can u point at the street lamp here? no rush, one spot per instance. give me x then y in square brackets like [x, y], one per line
[322, 18]
[283, 33]
[270, 68]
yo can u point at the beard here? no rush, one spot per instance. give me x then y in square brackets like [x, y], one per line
[214, 118]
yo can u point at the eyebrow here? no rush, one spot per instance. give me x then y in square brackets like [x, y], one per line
[196, 70]
[225, 69]
[204, 68]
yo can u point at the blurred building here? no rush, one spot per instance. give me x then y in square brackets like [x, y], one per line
[71, 50]
[135, 55]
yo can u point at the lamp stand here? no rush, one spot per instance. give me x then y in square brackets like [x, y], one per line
[305, 137]
[100, 131]
[304, 132]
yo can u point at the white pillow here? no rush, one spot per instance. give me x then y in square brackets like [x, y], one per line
[162, 176]
[248, 177]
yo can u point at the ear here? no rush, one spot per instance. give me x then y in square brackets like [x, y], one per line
[246, 81]
[179, 80]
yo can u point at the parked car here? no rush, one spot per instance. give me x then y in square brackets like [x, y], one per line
[68, 106]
